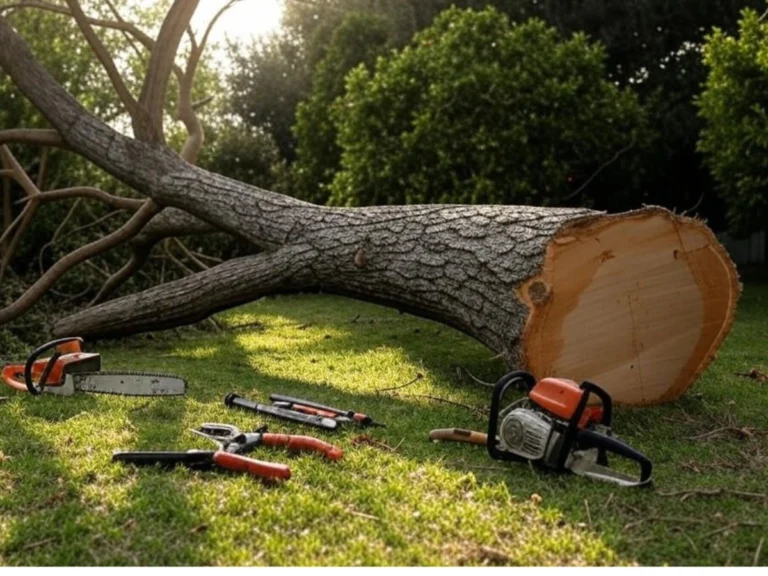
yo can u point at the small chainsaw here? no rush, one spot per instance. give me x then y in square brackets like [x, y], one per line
[69, 369]
[556, 427]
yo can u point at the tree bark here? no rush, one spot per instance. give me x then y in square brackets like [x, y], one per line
[638, 302]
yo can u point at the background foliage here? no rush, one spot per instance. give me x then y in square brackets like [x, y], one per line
[734, 104]
[476, 110]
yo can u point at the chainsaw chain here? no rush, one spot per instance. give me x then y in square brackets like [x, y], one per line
[129, 373]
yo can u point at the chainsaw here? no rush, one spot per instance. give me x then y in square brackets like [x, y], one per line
[69, 369]
[556, 427]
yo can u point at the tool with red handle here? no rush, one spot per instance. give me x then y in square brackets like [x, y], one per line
[206, 459]
[230, 439]
[315, 409]
[69, 370]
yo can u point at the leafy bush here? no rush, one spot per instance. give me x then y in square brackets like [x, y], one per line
[734, 105]
[478, 110]
[358, 39]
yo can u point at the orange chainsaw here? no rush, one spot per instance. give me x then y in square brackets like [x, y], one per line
[555, 426]
[69, 369]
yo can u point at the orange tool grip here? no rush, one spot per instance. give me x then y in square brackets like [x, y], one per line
[303, 443]
[254, 467]
[459, 435]
[313, 411]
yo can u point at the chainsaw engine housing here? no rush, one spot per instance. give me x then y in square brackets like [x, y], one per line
[554, 427]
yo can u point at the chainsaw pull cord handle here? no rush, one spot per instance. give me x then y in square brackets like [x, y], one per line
[592, 439]
[518, 376]
[36, 353]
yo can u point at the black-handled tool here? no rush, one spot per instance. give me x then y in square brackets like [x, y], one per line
[316, 409]
[234, 400]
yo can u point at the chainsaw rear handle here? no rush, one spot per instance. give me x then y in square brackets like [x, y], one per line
[302, 444]
[592, 439]
[504, 383]
[572, 431]
[36, 353]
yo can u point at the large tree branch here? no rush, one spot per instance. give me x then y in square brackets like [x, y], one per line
[161, 62]
[198, 296]
[47, 280]
[104, 57]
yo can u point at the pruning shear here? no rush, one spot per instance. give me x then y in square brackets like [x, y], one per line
[230, 439]
[232, 445]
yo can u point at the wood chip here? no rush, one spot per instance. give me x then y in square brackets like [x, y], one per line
[199, 529]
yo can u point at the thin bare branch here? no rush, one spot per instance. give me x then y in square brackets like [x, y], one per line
[126, 34]
[602, 167]
[139, 255]
[4, 173]
[24, 219]
[188, 253]
[7, 207]
[178, 263]
[120, 24]
[90, 192]
[56, 234]
[202, 256]
[32, 136]
[161, 62]
[47, 280]
[104, 57]
[18, 173]
[42, 171]
[186, 109]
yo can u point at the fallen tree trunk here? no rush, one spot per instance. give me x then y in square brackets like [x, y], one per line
[639, 302]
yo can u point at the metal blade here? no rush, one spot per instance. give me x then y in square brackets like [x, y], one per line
[129, 383]
[584, 463]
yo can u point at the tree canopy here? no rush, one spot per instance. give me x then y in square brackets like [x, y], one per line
[478, 110]
[734, 105]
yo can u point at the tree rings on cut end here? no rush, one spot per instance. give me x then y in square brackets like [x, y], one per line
[637, 302]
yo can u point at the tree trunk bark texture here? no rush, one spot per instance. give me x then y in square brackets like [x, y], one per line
[638, 302]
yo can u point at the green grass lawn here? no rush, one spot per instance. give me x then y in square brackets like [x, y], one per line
[400, 500]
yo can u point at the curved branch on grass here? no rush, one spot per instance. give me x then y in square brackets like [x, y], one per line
[47, 280]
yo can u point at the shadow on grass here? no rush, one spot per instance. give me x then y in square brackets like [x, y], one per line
[157, 517]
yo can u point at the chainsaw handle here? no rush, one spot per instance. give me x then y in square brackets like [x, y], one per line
[302, 443]
[253, 467]
[36, 353]
[499, 389]
[592, 439]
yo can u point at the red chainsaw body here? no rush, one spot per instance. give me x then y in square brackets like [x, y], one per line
[560, 397]
[72, 356]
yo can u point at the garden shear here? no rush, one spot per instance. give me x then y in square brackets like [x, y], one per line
[232, 444]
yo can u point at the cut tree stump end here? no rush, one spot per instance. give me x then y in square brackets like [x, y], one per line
[637, 302]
